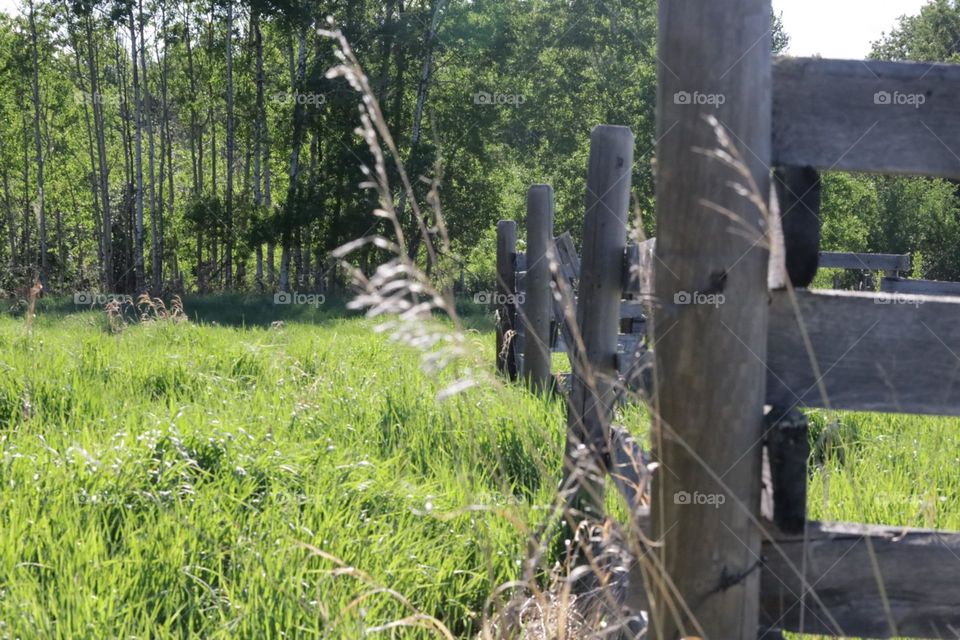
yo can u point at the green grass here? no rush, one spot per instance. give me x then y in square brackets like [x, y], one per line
[164, 481]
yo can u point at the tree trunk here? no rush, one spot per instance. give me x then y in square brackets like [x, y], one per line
[27, 200]
[147, 115]
[11, 221]
[423, 85]
[89, 97]
[228, 245]
[259, 250]
[106, 240]
[166, 142]
[196, 134]
[271, 260]
[293, 188]
[39, 148]
[138, 164]
[259, 105]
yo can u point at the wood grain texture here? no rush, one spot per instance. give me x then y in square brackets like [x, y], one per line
[873, 352]
[537, 306]
[919, 570]
[710, 49]
[885, 117]
[865, 261]
[592, 395]
[921, 287]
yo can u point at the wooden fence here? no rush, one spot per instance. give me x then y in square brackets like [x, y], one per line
[538, 299]
[730, 374]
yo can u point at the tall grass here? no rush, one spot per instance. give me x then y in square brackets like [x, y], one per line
[166, 481]
[178, 479]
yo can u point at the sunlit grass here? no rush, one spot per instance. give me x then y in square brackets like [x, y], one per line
[164, 481]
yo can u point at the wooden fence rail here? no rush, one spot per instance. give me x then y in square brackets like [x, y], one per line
[727, 348]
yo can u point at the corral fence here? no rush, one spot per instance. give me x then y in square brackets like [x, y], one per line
[729, 377]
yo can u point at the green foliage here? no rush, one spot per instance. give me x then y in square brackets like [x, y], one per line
[481, 263]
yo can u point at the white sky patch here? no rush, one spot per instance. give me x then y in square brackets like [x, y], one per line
[9, 6]
[840, 28]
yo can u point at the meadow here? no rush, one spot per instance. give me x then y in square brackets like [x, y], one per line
[232, 476]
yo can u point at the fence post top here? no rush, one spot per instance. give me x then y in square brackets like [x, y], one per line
[540, 187]
[611, 131]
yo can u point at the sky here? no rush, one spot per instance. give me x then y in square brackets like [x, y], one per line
[839, 28]
[831, 28]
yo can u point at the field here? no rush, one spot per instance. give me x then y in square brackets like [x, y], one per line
[179, 479]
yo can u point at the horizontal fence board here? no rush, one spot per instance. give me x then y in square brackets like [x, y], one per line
[874, 352]
[867, 115]
[864, 261]
[924, 287]
[920, 572]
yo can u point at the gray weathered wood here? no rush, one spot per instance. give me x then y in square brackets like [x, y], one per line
[715, 60]
[865, 261]
[537, 308]
[506, 312]
[798, 205]
[592, 395]
[874, 352]
[788, 448]
[922, 287]
[839, 594]
[919, 569]
[520, 262]
[567, 255]
[867, 115]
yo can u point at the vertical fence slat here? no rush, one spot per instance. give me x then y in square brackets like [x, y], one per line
[715, 60]
[506, 311]
[537, 303]
[598, 306]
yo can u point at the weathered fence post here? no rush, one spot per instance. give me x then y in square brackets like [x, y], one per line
[594, 373]
[505, 299]
[710, 331]
[538, 302]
